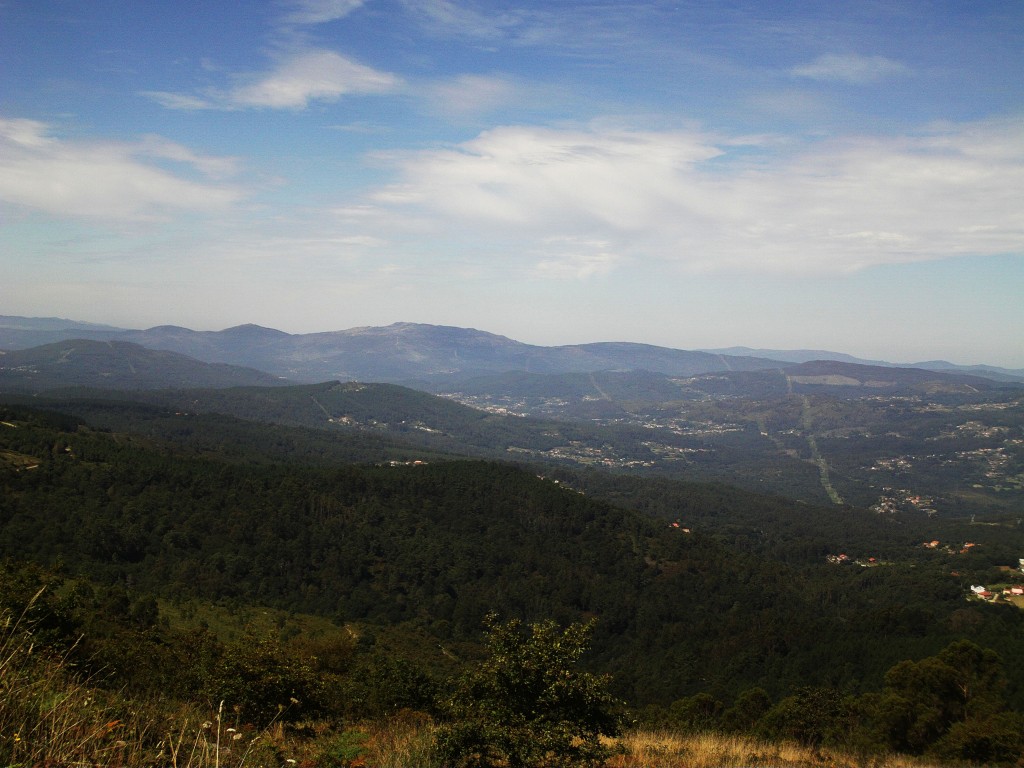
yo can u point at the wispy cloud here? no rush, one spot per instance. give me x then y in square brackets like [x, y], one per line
[115, 181]
[569, 258]
[706, 203]
[526, 175]
[450, 18]
[303, 73]
[320, 11]
[179, 101]
[160, 148]
[850, 68]
[299, 78]
[472, 94]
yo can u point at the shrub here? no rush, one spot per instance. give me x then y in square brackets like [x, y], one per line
[745, 713]
[996, 740]
[262, 683]
[345, 749]
[526, 704]
[811, 716]
[695, 714]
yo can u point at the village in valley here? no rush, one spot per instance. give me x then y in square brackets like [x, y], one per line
[951, 455]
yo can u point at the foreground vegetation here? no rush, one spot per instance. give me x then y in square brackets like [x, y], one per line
[48, 717]
[525, 702]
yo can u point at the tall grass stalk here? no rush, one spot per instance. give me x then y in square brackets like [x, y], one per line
[50, 716]
[46, 714]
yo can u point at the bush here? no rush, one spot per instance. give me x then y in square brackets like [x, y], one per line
[526, 705]
[996, 740]
[811, 716]
[747, 711]
[696, 714]
[347, 748]
[382, 685]
[261, 683]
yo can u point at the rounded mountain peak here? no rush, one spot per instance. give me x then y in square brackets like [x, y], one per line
[251, 330]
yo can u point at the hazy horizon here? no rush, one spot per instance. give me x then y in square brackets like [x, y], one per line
[737, 349]
[690, 175]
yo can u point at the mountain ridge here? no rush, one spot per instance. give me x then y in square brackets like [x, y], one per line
[810, 355]
[434, 356]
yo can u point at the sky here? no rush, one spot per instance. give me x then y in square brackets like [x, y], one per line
[697, 174]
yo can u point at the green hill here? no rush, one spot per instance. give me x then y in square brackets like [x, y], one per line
[116, 365]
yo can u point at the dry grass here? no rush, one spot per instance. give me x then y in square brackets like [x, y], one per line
[405, 740]
[659, 749]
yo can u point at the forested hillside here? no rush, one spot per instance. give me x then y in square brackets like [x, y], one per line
[117, 365]
[745, 597]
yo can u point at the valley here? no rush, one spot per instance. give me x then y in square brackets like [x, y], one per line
[950, 454]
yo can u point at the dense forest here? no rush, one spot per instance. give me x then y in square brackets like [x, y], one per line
[700, 592]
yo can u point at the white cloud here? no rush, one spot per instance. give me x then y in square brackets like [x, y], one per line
[539, 176]
[850, 68]
[321, 11]
[24, 133]
[117, 181]
[312, 75]
[707, 203]
[309, 75]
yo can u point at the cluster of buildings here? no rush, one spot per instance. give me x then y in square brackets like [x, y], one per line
[897, 499]
[845, 558]
[1006, 592]
[966, 547]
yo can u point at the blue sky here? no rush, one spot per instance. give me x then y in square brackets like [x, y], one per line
[844, 176]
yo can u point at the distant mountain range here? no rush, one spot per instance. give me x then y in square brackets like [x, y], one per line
[399, 353]
[431, 357]
[810, 355]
